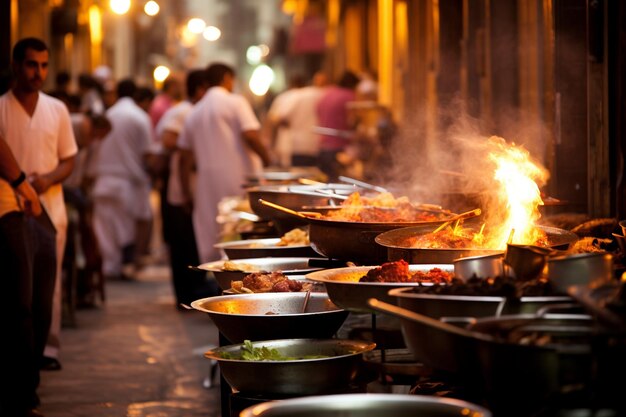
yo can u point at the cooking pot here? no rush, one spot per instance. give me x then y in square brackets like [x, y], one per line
[595, 269]
[504, 361]
[265, 316]
[481, 266]
[331, 373]
[395, 241]
[366, 405]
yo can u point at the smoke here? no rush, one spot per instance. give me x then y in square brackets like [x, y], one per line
[450, 165]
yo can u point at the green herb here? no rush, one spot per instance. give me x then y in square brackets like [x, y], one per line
[263, 353]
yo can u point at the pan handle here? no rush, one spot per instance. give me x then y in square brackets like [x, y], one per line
[428, 321]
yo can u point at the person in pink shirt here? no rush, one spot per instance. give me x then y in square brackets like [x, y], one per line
[169, 95]
[332, 113]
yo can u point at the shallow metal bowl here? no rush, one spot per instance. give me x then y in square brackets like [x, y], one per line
[259, 248]
[289, 266]
[366, 405]
[344, 288]
[330, 374]
[275, 315]
[397, 248]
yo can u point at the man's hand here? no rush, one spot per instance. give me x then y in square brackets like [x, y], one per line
[40, 183]
[29, 199]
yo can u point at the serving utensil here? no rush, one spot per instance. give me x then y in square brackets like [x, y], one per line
[363, 184]
[462, 216]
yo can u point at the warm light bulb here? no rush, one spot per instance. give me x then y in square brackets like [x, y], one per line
[196, 25]
[161, 73]
[253, 55]
[211, 33]
[151, 8]
[119, 6]
[261, 80]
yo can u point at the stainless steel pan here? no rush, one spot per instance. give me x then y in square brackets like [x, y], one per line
[332, 373]
[395, 243]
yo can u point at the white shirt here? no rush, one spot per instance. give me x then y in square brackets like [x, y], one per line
[301, 114]
[121, 151]
[39, 142]
[283, 145]
[213, 132]
[173, 120]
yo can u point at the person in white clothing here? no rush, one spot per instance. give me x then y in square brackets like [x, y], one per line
[221, 136]
[300, 116]
[279, 132]
[121, 192]
[189, 285]
[38, 130]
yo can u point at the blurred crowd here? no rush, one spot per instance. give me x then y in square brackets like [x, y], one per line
[127, 162]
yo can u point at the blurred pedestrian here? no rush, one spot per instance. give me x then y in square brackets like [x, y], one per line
[332, 111]
[189, 285]
[300, 116]
[90, 94]
[170, 94]
[38, 130]
[221, 137]
[278, 131]
[122, 189]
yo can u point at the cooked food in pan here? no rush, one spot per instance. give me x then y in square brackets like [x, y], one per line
[268, 282]
[398, 271]
[383, 208]
[264, 353]
[239, 266]
[295, 237]
[491, 287]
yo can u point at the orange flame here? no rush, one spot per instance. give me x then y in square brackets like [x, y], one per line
[518, 198]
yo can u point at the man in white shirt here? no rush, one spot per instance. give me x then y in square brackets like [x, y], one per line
[189, 285]
[38, 130]
[221, 136]
[122, 189]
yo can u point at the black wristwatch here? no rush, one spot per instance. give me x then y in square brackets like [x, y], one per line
[19, 180]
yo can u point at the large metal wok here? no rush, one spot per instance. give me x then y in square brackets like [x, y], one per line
[349, 241]
[367, 405]
[395, 243]
[344, 288]
[332, 373]
[267, 316]
[294, 197]
[491, 357]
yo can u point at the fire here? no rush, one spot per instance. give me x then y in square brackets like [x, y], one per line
[517, 179]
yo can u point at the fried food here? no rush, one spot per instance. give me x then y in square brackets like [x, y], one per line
[268, 282]
[239, 266]
[295, 237]
[398, 271]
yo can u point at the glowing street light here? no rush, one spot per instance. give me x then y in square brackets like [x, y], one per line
[261, 80]
[119, 6]
[254, 55]
[196, 25]
[151, 8]
[211, 33]
[161, 73]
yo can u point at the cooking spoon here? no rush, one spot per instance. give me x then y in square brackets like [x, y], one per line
[363, 184]
[306, 301]
[465, 215]
[301, 214]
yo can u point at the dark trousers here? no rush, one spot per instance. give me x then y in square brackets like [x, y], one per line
[189, 285]
[27, 271]
[329, 164]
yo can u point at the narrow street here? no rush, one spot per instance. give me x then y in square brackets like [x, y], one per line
[134, 356]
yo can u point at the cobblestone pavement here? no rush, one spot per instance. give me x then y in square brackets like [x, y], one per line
[134, 356]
